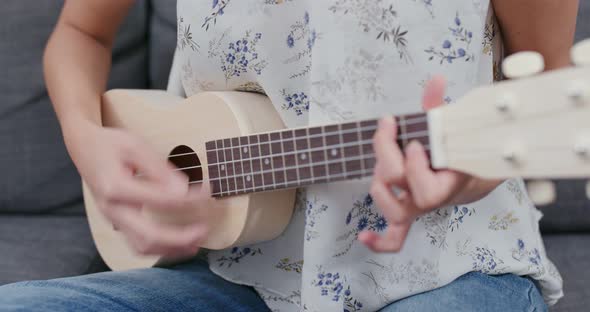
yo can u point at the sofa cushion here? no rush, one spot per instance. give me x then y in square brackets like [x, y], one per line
[571, 255]
[583, 27]
[162, 41]
[570, 212]
[37, 174]
[43, 247]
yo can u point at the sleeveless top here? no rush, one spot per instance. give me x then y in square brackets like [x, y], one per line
[335, 60]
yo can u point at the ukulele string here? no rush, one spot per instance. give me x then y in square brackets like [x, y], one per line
[310, 165]
[328, 162]
[407, 122]
[362, 173]
[426, 147]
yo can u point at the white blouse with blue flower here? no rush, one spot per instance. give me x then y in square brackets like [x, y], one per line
[337, 60]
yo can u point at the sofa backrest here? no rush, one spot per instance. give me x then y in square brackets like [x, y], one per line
[162, 41]
[36, 174]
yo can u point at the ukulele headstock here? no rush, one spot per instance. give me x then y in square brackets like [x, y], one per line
[535, 125]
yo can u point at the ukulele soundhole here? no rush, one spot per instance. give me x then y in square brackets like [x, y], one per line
[187, 161]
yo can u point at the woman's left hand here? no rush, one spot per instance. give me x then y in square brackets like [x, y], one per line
[421, 189]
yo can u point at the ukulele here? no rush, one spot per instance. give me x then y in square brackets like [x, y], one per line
[535, 127]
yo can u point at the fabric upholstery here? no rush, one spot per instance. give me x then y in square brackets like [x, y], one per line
[583, 26]
[41, 247]
[571, 210]
[37, 174]
[162, 41]
[571, 255]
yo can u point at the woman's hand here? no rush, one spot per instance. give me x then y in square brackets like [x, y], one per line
[421, 189]
[125, 175]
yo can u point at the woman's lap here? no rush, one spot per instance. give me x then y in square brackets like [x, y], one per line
[476, 292]
[188, 287]
[193, 287]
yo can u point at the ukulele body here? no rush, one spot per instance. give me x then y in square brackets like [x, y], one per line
[167, 122]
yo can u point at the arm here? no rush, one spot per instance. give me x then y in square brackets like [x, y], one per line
[77, 63]
[78, 59]
[546, 26]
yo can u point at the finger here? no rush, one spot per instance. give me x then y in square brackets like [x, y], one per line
[130, 190]
[434, 92]
[391, 241]
[389, 157]
[155, 169]
[393, 209]
[150, 237]
[177, 256]
[429, 189]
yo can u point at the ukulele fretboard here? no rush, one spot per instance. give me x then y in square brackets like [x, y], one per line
[300, 157]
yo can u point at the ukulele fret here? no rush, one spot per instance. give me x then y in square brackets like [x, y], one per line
[317, 153]
[360, 144]
[237, 157]
[333, 148]
[229, 166]
[418, 132]
[222, 168]
[302, 155]
[401, 132]
[342, 150]
[265, 161]
[350, 149]
[291, 174]
[213, 167]
[310, 165]
[256, 175]
[246, 161]
[277, 159]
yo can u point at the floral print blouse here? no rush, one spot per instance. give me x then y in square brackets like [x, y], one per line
[336, 60]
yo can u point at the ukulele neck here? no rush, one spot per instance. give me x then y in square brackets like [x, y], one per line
[301, 157]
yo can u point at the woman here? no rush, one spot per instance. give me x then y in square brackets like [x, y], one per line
[467, 243]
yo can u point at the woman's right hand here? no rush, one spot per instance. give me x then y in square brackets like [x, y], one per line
[109, 161]
[76, 64]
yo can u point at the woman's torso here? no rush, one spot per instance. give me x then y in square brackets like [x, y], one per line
[336, 60]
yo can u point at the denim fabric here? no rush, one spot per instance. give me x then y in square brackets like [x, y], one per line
[189, 287]
[477, 292]
[193, 287]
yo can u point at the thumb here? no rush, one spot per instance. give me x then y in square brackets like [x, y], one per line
[434, 92]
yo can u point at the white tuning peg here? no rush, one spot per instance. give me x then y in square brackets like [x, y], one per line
[541, 192]
[523, 64]
[580, 53]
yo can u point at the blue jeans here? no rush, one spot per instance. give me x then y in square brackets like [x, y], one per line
[193, 287]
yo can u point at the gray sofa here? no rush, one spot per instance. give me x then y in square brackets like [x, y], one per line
[43, 230]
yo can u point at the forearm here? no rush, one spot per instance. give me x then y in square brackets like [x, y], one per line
[76, 71]
[77, 61]
[474, 190]
[546, 26]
